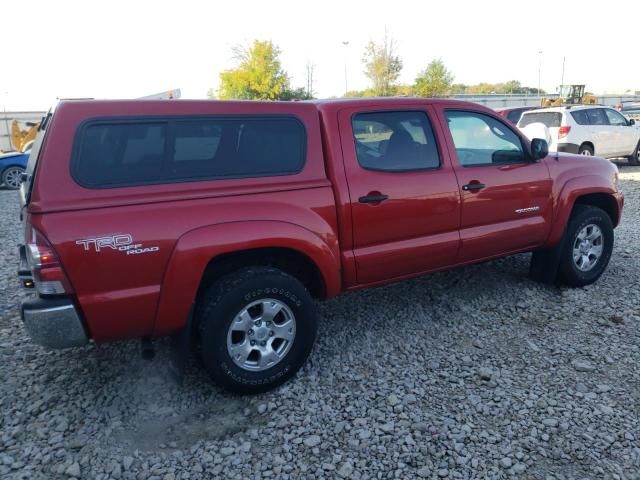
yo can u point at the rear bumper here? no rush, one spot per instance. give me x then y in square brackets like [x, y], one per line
[568, 148]
[53, 323]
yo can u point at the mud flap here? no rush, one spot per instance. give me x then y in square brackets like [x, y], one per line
[545, 263]
[181, 350]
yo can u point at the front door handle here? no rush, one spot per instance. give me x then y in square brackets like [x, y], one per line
[373, 198]
[471, 187]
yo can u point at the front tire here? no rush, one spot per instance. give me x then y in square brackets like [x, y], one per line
[257, 328]
[12, 177]
[587, 246]
[634, 158]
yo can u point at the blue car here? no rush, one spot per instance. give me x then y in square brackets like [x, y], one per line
[12, 165]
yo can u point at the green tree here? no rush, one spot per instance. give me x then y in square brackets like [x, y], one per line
[382, 66]
[457, 88]
[513, 86]
[483, 88]
[434, 81]
[258, 76]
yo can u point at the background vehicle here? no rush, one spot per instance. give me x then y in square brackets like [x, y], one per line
[513, 114]
[218, 222]
[570, 95]
[588, 130]
[23, 139]
[630, 109]
[12, 165]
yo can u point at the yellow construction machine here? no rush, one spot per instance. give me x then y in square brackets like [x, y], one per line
[23, 138]
[570, 95]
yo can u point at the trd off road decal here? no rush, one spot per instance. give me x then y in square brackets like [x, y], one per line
[121, 243]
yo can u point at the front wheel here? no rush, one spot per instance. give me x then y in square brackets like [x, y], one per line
[587, 246]
[12, 177]
[257, 328]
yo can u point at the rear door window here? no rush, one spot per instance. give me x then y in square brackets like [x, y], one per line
[131, 152]
[580, 116]
[596, 116]
[395, 141]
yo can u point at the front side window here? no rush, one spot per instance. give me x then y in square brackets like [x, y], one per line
[615, 118]
[130, 152]
[394, 141]
[482, 140]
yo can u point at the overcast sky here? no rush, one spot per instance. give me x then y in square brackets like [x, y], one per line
[125, 49]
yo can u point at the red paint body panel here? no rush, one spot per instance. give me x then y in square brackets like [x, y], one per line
[429, 222]
[416, 229]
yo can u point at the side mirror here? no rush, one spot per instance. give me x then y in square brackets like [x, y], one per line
[539, 148]
[632, 122]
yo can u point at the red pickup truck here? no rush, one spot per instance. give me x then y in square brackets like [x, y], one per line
[218, 223]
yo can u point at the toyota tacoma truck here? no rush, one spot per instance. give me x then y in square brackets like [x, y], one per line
[221, 223]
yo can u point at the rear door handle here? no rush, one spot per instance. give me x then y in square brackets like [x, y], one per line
[473, 186]
[373, 198]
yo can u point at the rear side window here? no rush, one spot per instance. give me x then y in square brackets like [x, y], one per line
[580, 116]
[395, 141]
[111, 153]
[549, 119]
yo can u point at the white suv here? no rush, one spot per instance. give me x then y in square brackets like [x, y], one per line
[587, 130]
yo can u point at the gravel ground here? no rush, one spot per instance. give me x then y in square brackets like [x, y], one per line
[474, 373]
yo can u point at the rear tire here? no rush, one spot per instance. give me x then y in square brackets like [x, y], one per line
[586, 150]
[634, 158]
[245, 345]
[587, 246]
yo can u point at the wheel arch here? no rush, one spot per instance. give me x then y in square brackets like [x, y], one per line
[592, 190]
[204, 254]
[589, 144]
[4, 168]
[603, 201]
[289, 260]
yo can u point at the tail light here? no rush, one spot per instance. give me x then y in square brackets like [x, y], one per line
[564, 131]
[48, 275]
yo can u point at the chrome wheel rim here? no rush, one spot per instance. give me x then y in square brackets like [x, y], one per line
[588, 247]
[261, 334]
[12, 177]
[585, 152]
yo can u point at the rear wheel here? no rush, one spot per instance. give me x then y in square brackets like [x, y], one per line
[586, 150]
[12, 177]
[257, 328]
[587, 246]
[634, 158]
